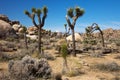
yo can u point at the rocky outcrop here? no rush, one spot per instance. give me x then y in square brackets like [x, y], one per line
[78, 37]
[16, 27]
[5, 28]
[6, 19]
[32, 30]
[107, 33]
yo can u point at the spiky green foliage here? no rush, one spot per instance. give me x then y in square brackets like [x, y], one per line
[70, 12]
[34, 10]
[65, 25]
[38, 11]
[26, 12]
[24, 28]
[79, 11]
[97, 27]
[45, 10]
[64, 50]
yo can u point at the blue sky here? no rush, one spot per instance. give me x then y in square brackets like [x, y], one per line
[104, 12]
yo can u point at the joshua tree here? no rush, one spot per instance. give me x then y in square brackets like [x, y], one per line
[41, 21]
[74, 14]
[92, 28]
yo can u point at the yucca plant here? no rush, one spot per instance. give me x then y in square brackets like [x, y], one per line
[64, 52]
[41, 14]
[74, 14]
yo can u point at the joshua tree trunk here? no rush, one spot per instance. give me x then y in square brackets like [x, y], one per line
[103, 44]
[73, 40]
[65, 66]
[39, 40]
[25, 41]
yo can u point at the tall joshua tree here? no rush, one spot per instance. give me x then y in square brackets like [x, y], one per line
[92, 28]
[74, 14]
[41, 21]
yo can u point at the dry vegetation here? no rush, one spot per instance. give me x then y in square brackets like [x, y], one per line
[88, 65]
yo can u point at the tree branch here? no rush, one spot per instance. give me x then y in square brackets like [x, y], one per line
[39, 19]
[33, 20]
[68, 21]
[43, 20]
[74, 20]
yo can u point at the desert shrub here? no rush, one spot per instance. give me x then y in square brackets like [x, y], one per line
[116, 78]
[10, 45]
[11, 39]
[57, 76]
[74, 72]
[5, 56]
[118, 43]
[110, 66]
[97, 55]
[93, 42]
[4, 76]
[49, 56]
[117, 57]
[28, 68]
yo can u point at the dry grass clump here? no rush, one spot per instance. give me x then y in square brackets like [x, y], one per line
[117, 57]
[74, 72]
[74, 67]
[109, 66]
[116, 78]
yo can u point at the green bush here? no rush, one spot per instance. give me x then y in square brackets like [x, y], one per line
[64, 50]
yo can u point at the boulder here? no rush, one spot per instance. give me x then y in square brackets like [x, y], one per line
[4, 18]
[5, 28]
[78, 37]
[21, 30]
[32, 30]
[32, 37]
[16, 27]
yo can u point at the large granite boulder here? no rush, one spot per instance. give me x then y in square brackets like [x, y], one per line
[32, 30]
[5, 28]
[4, 18]
[16, 27]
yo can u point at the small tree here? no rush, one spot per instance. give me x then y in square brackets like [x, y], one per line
[41, 21]
[64, 52]
[74, 14]
[92, 28]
